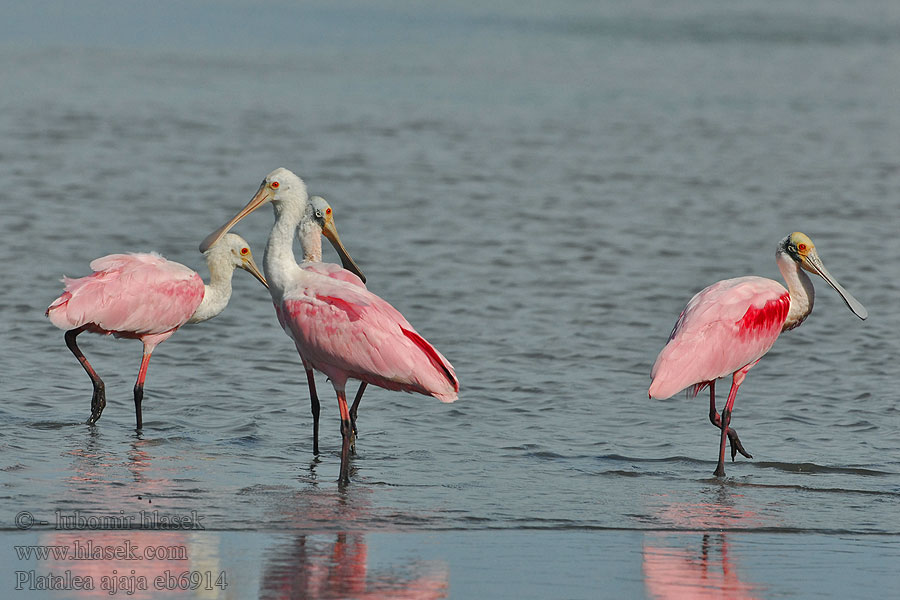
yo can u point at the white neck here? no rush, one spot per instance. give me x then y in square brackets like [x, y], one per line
[800, 288]
[279, 263]
[218, 292]
[310, 241]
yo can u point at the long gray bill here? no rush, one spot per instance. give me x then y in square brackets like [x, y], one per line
[852, 303]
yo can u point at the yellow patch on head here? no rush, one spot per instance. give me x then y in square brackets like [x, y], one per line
[802, 243]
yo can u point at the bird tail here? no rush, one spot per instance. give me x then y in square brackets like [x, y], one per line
[441, 364]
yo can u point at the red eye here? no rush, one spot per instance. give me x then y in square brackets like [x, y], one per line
[801, 247]
[245, 251]
[327, 211]
[274, 185]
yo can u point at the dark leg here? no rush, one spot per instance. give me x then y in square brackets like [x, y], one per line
[98, 400]
[139, 390]
[346, 432]
[353, 409]
[314, 407]
[733, 439]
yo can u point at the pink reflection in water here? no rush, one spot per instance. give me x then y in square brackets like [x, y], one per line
[673, 570]
[336, 565]
[681, 574]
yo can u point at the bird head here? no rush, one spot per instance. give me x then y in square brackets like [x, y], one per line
[234, 250]
[800, 248]
[279, 186]
[320, 215]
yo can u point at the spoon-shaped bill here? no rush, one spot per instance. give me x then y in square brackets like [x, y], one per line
[330, 232]
[261, 197]
[250, 266]
[813, 264]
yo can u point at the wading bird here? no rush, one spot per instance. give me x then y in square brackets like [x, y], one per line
[145, 297]
[339, 328]
[727, 328]
[319, 222]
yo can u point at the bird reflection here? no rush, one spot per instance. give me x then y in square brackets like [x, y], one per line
[336, 565]
[676, 573]
[675, 568]
[124, 551]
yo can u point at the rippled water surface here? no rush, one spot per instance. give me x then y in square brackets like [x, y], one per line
[539, 191]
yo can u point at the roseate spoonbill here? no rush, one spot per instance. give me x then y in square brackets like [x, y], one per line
[727, 328]
[147, 297]
[339, 328]
[319, 221]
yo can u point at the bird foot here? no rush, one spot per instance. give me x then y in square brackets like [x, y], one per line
[736, 445]
[98, 403]
[733, 440]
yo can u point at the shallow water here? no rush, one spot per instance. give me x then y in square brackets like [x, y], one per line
[539, 192]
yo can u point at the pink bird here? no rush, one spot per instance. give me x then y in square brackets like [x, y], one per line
[310, 232]
[145, 297]
[339, 327]
[728, 327]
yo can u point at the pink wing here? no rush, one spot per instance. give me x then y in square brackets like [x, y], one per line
[334, 271]
[131, 294]
[724, 327]
[345, 331]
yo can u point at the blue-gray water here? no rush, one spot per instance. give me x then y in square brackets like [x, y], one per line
[539, 189]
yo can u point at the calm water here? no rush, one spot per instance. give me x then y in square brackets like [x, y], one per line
[539, 191]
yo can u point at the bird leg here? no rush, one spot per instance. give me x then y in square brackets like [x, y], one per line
[733, 439]
[353, 410]
[98, 400]
[314, 407]
[139, 390]
[346, 432]
[736, 381]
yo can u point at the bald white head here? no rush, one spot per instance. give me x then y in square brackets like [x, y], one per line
[280, 187]
[319, 220]
[232, 251]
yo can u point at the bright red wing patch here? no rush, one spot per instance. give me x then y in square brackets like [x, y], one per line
[768, 318]
[353, 311]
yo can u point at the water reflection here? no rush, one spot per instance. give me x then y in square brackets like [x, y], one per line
[337, 565]
[693, 567]
[142, 552]
[697, 566]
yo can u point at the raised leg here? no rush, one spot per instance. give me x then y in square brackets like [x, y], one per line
[733, 439]
[98, 400]
[346, 432]
[353, 410]
[139, 389]
[725, 419]
[313, 405]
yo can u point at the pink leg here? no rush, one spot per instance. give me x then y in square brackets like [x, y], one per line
[733, 439]
[737, 380]
[98, 400]
[346, 432]
[139, 389]
[313, 405]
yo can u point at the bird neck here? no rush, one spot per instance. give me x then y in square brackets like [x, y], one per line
[279, 263]
[310, 241]
[799, 287]
[217, 292]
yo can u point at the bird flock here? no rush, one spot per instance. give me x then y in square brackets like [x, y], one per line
[345, 331]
